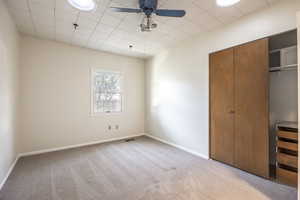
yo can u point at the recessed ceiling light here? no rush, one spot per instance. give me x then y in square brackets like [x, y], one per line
[84, 5]
[225, 3]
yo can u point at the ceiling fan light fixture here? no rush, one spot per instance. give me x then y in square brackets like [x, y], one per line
[83, 5]
[226, 3]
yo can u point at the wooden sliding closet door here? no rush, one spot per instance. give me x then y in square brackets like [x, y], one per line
[251, 106]
[222, 106]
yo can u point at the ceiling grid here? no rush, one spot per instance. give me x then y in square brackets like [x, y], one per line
[109, 31]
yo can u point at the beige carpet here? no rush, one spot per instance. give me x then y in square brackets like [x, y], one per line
[140, 170]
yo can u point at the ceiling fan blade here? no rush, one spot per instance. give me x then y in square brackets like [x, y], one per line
[128, 10]
[170, 13]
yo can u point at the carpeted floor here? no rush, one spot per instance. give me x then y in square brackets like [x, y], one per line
[143, 169]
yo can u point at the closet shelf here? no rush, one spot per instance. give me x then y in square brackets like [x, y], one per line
[278, 50]
[284, 68]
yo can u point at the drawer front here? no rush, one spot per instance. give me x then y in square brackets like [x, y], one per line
[288, 160]
[287, 135]
[287, 145]
[287, 177]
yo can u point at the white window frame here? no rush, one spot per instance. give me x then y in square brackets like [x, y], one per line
[93, 71]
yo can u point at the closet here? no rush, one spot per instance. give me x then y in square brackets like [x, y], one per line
[283, 130]
[253, 107]
[239, 107]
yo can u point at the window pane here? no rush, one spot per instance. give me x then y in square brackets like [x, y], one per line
[107, 96]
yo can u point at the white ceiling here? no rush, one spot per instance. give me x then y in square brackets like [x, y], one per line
[114, 32]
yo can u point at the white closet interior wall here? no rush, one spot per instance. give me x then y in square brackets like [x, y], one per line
[283, 87]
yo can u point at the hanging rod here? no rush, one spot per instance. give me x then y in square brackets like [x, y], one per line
[284, 68]
[277, 50]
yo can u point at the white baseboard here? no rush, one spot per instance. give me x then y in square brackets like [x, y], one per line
[76, 145]
[179, 147]
[9, 172]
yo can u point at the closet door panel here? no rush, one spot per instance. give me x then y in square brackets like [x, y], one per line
[221, 106]
[251, 104]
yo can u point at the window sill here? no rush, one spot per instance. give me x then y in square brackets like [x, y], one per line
[105, 114]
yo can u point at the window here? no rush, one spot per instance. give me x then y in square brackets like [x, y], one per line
[106, 91]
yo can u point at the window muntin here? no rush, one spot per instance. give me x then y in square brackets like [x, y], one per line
[106, 92]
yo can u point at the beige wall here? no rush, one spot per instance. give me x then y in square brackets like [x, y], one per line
[55, 95]
[177, 78]
[8, 91]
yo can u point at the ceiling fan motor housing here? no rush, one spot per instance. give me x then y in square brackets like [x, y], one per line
[148, 6]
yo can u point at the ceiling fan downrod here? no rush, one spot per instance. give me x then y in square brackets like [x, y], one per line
[147, 24]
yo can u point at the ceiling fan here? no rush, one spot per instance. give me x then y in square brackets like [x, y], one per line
[149, 7]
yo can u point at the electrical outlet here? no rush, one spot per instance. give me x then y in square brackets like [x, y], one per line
[117, 127]
[109, 127]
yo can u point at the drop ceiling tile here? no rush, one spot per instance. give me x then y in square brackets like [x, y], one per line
[194, 12]
[164, 28]
[121, 44]
[43, 17]
[133, 28]
[122, 3]
[68, 18]
[207, 21]
[44, 14]
[86, 23]
[77, 37]
[142, 47]
[100, 35]
[104, 29]
[96, 37]
[226, 14]
[83, 32]
[250, 6]
[124, 43]
[105, 3]
[110, 20]
[133, 19]
[61, 33]
[118, 15]
[50, 4]
[152, 48]
[17, 5]
[205, 4]
[131, 23]
[131, 52]
[158, 37]
[63, 5]
[44, 21]
[93, 16]
[21, 17]
[189, 27]
[118, 34]
[175, 4]
[161, 3]
[170, 21]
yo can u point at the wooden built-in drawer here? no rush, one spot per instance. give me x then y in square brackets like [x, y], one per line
[286, 176]
[288, 160]
[288, 135]
[287, 145]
